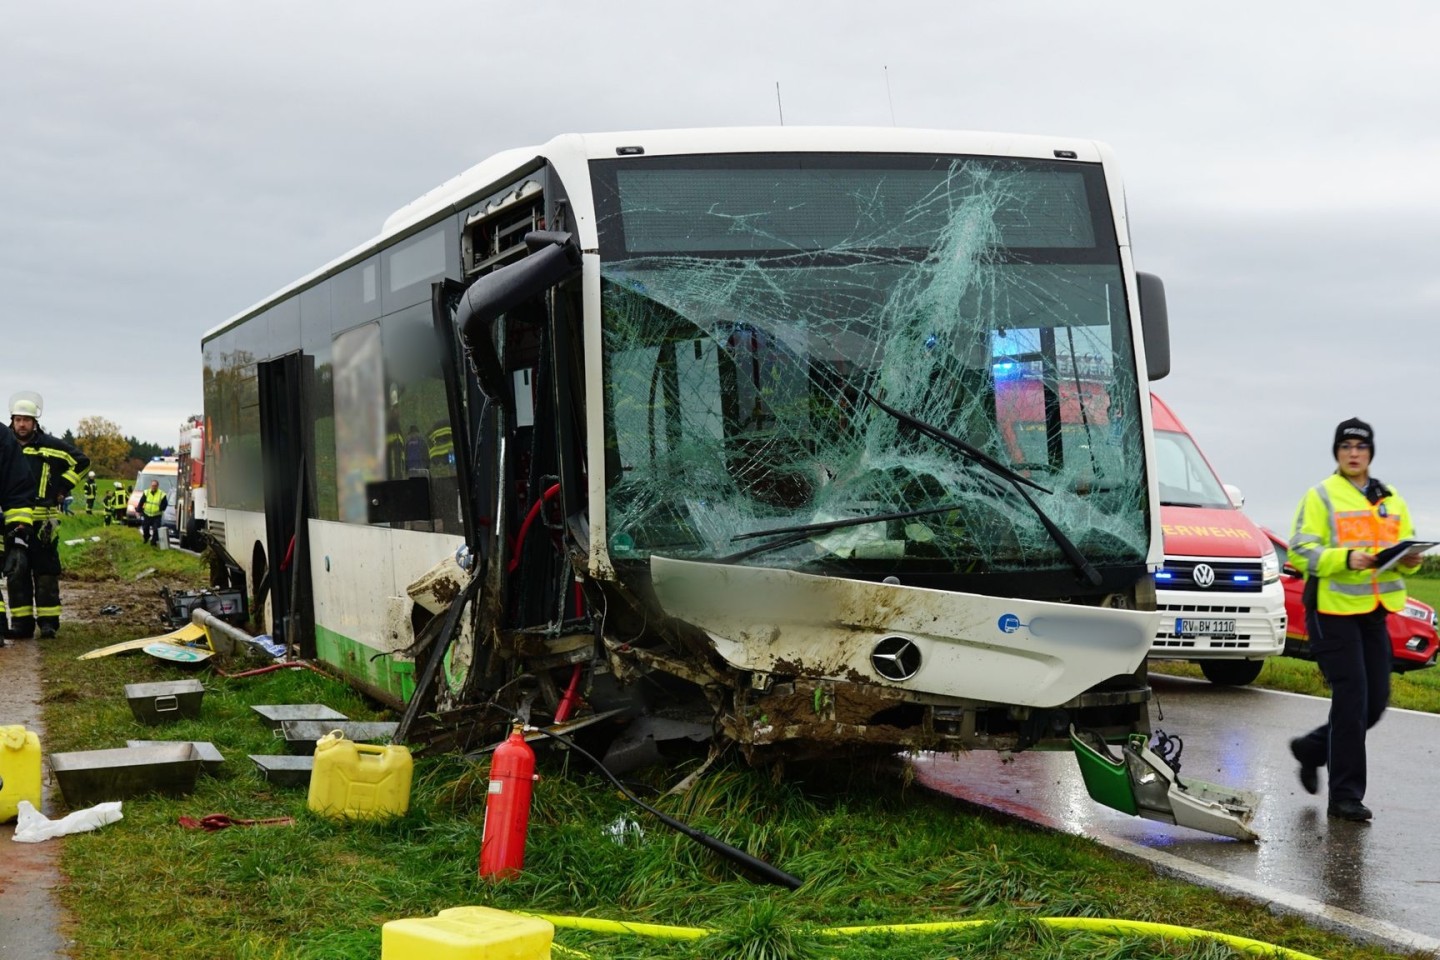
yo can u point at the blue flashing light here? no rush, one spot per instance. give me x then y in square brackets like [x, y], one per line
[1007, 370]
[1242, 578]
[1164, 575]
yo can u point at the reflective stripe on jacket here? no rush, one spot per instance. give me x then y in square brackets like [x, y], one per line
[56, 464]
[1335, 518]
[17, 486]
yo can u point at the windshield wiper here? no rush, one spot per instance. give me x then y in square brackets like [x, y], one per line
[1067, 546]
[801, 533]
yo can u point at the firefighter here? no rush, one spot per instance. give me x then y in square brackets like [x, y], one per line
[55, 467]
[90, 492]
[114, 504]
[17, 493]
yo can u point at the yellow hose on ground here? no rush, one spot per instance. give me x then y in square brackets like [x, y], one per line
[1099, 924]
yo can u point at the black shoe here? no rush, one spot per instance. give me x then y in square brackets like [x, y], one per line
[1309, 773]
[48, 633]
[1349, 810]
[10, 635]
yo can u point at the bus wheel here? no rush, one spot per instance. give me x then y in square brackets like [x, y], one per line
[1231, 673]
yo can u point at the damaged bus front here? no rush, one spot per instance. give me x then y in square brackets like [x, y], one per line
[727, 413]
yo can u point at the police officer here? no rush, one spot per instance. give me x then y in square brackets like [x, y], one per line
[152, 513]
[1339, 527]
[17, 493]
[55, 466]
[90, 492]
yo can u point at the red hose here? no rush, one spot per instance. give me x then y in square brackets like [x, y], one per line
[567, 702]
[525, 527]
[303, 664]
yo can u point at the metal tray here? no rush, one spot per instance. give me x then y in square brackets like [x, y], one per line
[88, 777]
[300, 735]
[211, 760]
[284, 770]
[277, 713]
[165, 702]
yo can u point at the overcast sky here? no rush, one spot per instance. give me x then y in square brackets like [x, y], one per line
[164, 165]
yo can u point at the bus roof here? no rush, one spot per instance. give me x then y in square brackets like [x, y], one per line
[572, 149]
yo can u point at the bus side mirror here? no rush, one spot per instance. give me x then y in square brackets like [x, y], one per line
[1233, 492]
[554, 257]
[1155, 323]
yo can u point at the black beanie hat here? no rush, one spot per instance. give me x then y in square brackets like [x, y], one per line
[1353, 429]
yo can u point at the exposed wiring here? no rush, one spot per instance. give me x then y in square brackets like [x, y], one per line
[1169, 748]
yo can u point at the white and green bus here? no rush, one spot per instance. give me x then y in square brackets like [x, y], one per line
[714, 419]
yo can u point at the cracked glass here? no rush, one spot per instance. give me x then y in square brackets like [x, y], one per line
[752, 305]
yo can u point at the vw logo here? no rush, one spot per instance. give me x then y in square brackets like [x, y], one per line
[895, 658]
[1204, 575]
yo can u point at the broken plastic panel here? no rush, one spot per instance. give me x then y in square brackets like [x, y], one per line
[1141, 783]
[750, 304]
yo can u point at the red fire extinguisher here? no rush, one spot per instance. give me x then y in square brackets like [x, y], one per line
[507, 807]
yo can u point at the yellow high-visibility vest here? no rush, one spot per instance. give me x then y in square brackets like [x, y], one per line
[1335, 518]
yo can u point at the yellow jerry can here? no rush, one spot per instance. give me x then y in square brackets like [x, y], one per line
[467, 933]
[19, 770]
[359, 780]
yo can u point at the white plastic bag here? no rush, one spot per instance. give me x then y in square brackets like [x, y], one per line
[32, 826]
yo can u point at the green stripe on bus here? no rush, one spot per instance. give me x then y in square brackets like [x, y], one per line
[396, 677]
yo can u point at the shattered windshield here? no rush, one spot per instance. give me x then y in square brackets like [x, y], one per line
[750, 303]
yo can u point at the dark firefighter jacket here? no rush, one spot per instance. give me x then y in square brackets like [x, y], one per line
[56, 466]
[17, 486]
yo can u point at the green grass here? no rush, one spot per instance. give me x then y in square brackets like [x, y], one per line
[119, 554]
[870, 848]
[1413, 690]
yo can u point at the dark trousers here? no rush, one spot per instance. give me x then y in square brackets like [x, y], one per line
[35, 597]
[150, 528]
[1354, 655]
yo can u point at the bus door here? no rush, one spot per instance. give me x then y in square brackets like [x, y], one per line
[287, 505]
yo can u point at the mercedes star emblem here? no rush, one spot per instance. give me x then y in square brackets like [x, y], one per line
[895, 658]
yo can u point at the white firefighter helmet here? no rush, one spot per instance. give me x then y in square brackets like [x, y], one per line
[92, 473]
[119, 485]
[26, 403]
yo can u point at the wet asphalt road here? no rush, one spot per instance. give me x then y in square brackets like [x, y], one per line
[1388, 870]
[30, 919]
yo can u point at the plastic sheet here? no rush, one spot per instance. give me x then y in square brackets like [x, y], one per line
[32, 826]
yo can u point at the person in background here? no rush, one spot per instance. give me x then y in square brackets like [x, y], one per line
[55, 466]
[90, 492]
[17, 493]
[1339, 527]
[152, 512]
[114, 504]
